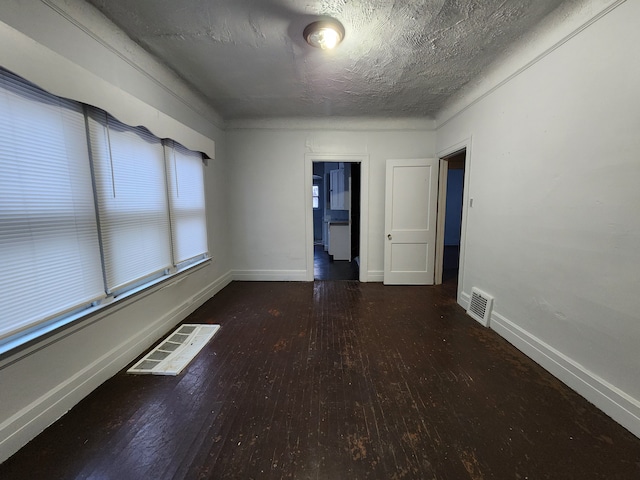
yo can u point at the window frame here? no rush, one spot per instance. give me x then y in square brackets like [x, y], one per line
[49, 326]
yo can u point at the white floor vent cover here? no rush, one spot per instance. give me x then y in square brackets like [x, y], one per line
[175, 353]
[480, 306]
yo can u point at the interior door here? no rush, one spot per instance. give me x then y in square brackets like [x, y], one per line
[410, 221]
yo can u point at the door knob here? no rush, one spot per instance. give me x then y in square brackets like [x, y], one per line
[389, 236]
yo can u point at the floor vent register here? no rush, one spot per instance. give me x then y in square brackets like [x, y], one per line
[174, 353]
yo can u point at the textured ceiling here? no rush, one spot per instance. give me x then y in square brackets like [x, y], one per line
[401, 58]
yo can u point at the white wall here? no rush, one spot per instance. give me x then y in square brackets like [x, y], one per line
[268, 200]
[554, 232]
[40, 383]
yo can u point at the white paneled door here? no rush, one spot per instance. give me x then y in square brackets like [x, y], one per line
[410, 221]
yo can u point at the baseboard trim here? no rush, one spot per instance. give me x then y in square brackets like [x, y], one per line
[464, 299]
[375, 276]
[289, 276]
[24, 425]
[270, 275]
[620, 406]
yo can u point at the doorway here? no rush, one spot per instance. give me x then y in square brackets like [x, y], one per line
[450, 212]
[362, 234]
[336, 193]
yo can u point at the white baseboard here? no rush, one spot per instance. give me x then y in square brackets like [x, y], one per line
[31, 420]
[464, 299]
[289, 276]
[270, 275]
[375, 276]
[620, 406]
[617, 404]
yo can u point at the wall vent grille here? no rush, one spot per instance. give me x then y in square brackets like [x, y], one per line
[480, 306]
[176, 351]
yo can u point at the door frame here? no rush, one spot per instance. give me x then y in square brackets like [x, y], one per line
[363, 160]
[442, 200]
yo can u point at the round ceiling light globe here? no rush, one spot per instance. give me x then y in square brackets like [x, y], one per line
[324, 34]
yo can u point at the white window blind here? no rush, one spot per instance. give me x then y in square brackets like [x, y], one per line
[186, 201]
[131, 190]
[49, 250]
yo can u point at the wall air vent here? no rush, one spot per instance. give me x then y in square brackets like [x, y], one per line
[480, 306]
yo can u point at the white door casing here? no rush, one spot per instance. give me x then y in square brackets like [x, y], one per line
[363, 160]
[411, 198]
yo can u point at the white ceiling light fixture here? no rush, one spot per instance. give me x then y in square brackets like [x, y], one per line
[325, 34]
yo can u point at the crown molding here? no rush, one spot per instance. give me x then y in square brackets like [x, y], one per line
[71, 15]
[334, 123]
[566, 23]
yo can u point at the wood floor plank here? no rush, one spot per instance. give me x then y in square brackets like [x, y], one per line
[336, 380]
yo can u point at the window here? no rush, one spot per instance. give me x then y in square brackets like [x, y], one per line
[131, 193]
[49, 251]
[186, 202]
[81, 221]
[316, 196]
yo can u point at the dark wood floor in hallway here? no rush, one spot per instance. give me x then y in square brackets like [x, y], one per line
[336, 380]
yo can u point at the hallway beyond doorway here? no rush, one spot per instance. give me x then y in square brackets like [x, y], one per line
[326, 269]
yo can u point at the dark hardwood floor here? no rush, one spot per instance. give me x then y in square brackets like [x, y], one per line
[324, 268]
[336, 380]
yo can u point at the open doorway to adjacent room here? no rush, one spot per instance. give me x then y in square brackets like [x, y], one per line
[336, 220]
[450, 210]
